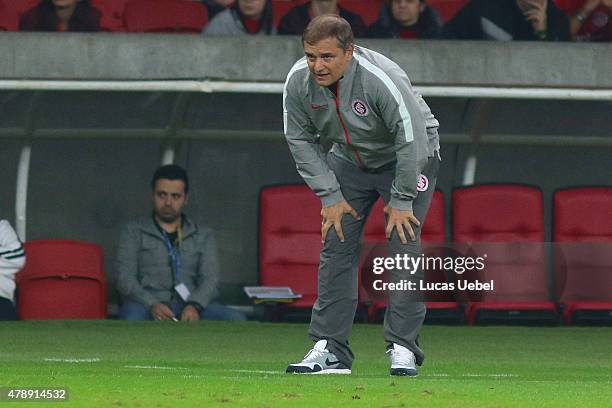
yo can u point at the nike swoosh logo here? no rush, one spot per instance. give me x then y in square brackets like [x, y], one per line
[327, 362]
[315, 107]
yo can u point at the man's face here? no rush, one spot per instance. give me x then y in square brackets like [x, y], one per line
[406, 12]
[327, 62]
[252, 8]
[169, 199]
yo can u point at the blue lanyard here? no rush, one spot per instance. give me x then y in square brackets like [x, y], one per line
[174, 255]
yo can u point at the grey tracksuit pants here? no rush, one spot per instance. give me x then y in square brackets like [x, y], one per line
[334, 310]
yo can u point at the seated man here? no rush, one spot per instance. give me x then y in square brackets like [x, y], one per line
[12, 259]
[167, 265]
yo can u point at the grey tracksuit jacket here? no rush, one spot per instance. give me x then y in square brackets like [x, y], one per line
[375, 120]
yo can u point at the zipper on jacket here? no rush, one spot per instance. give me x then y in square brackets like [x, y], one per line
[346, 134]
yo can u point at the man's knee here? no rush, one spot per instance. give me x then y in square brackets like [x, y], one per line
[217, 311]
[134, 311]
[334, 248]
[352, 237]
[7, 310]
[412, 247]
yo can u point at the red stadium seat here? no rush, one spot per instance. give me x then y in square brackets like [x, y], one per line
[280, 8]
[21, 6]
[165, 16]
[369, 10]
[569, 7]
[112, 14]
[447, 8]
[433, 234]
[9, 20]
[506, 222]
[289, 245]
[582, 232]
[62, 280]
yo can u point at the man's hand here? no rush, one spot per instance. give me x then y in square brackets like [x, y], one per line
[535, 12]
[332, 215]
[400, 219]
[159, 311]
[190, 314]
[591, 5]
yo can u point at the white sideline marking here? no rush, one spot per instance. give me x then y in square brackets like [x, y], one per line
[443, 375]
[145, 367]
[490, 375]
[256, 371]
[73, 360]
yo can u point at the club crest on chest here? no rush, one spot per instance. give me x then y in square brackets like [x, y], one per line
[360, 107]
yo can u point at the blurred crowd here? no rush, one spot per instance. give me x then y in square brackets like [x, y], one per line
[498, 20]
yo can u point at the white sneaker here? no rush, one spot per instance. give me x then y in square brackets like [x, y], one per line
[319, 361]
[403, 361]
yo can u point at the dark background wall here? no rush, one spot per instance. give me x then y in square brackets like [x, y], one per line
[86, 187]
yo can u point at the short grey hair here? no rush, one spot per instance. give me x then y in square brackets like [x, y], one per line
[329, 26]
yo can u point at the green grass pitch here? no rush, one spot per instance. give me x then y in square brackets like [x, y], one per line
[226, 364]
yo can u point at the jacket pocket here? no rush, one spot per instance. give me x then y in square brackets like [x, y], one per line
[190, 264]
[155, 270]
